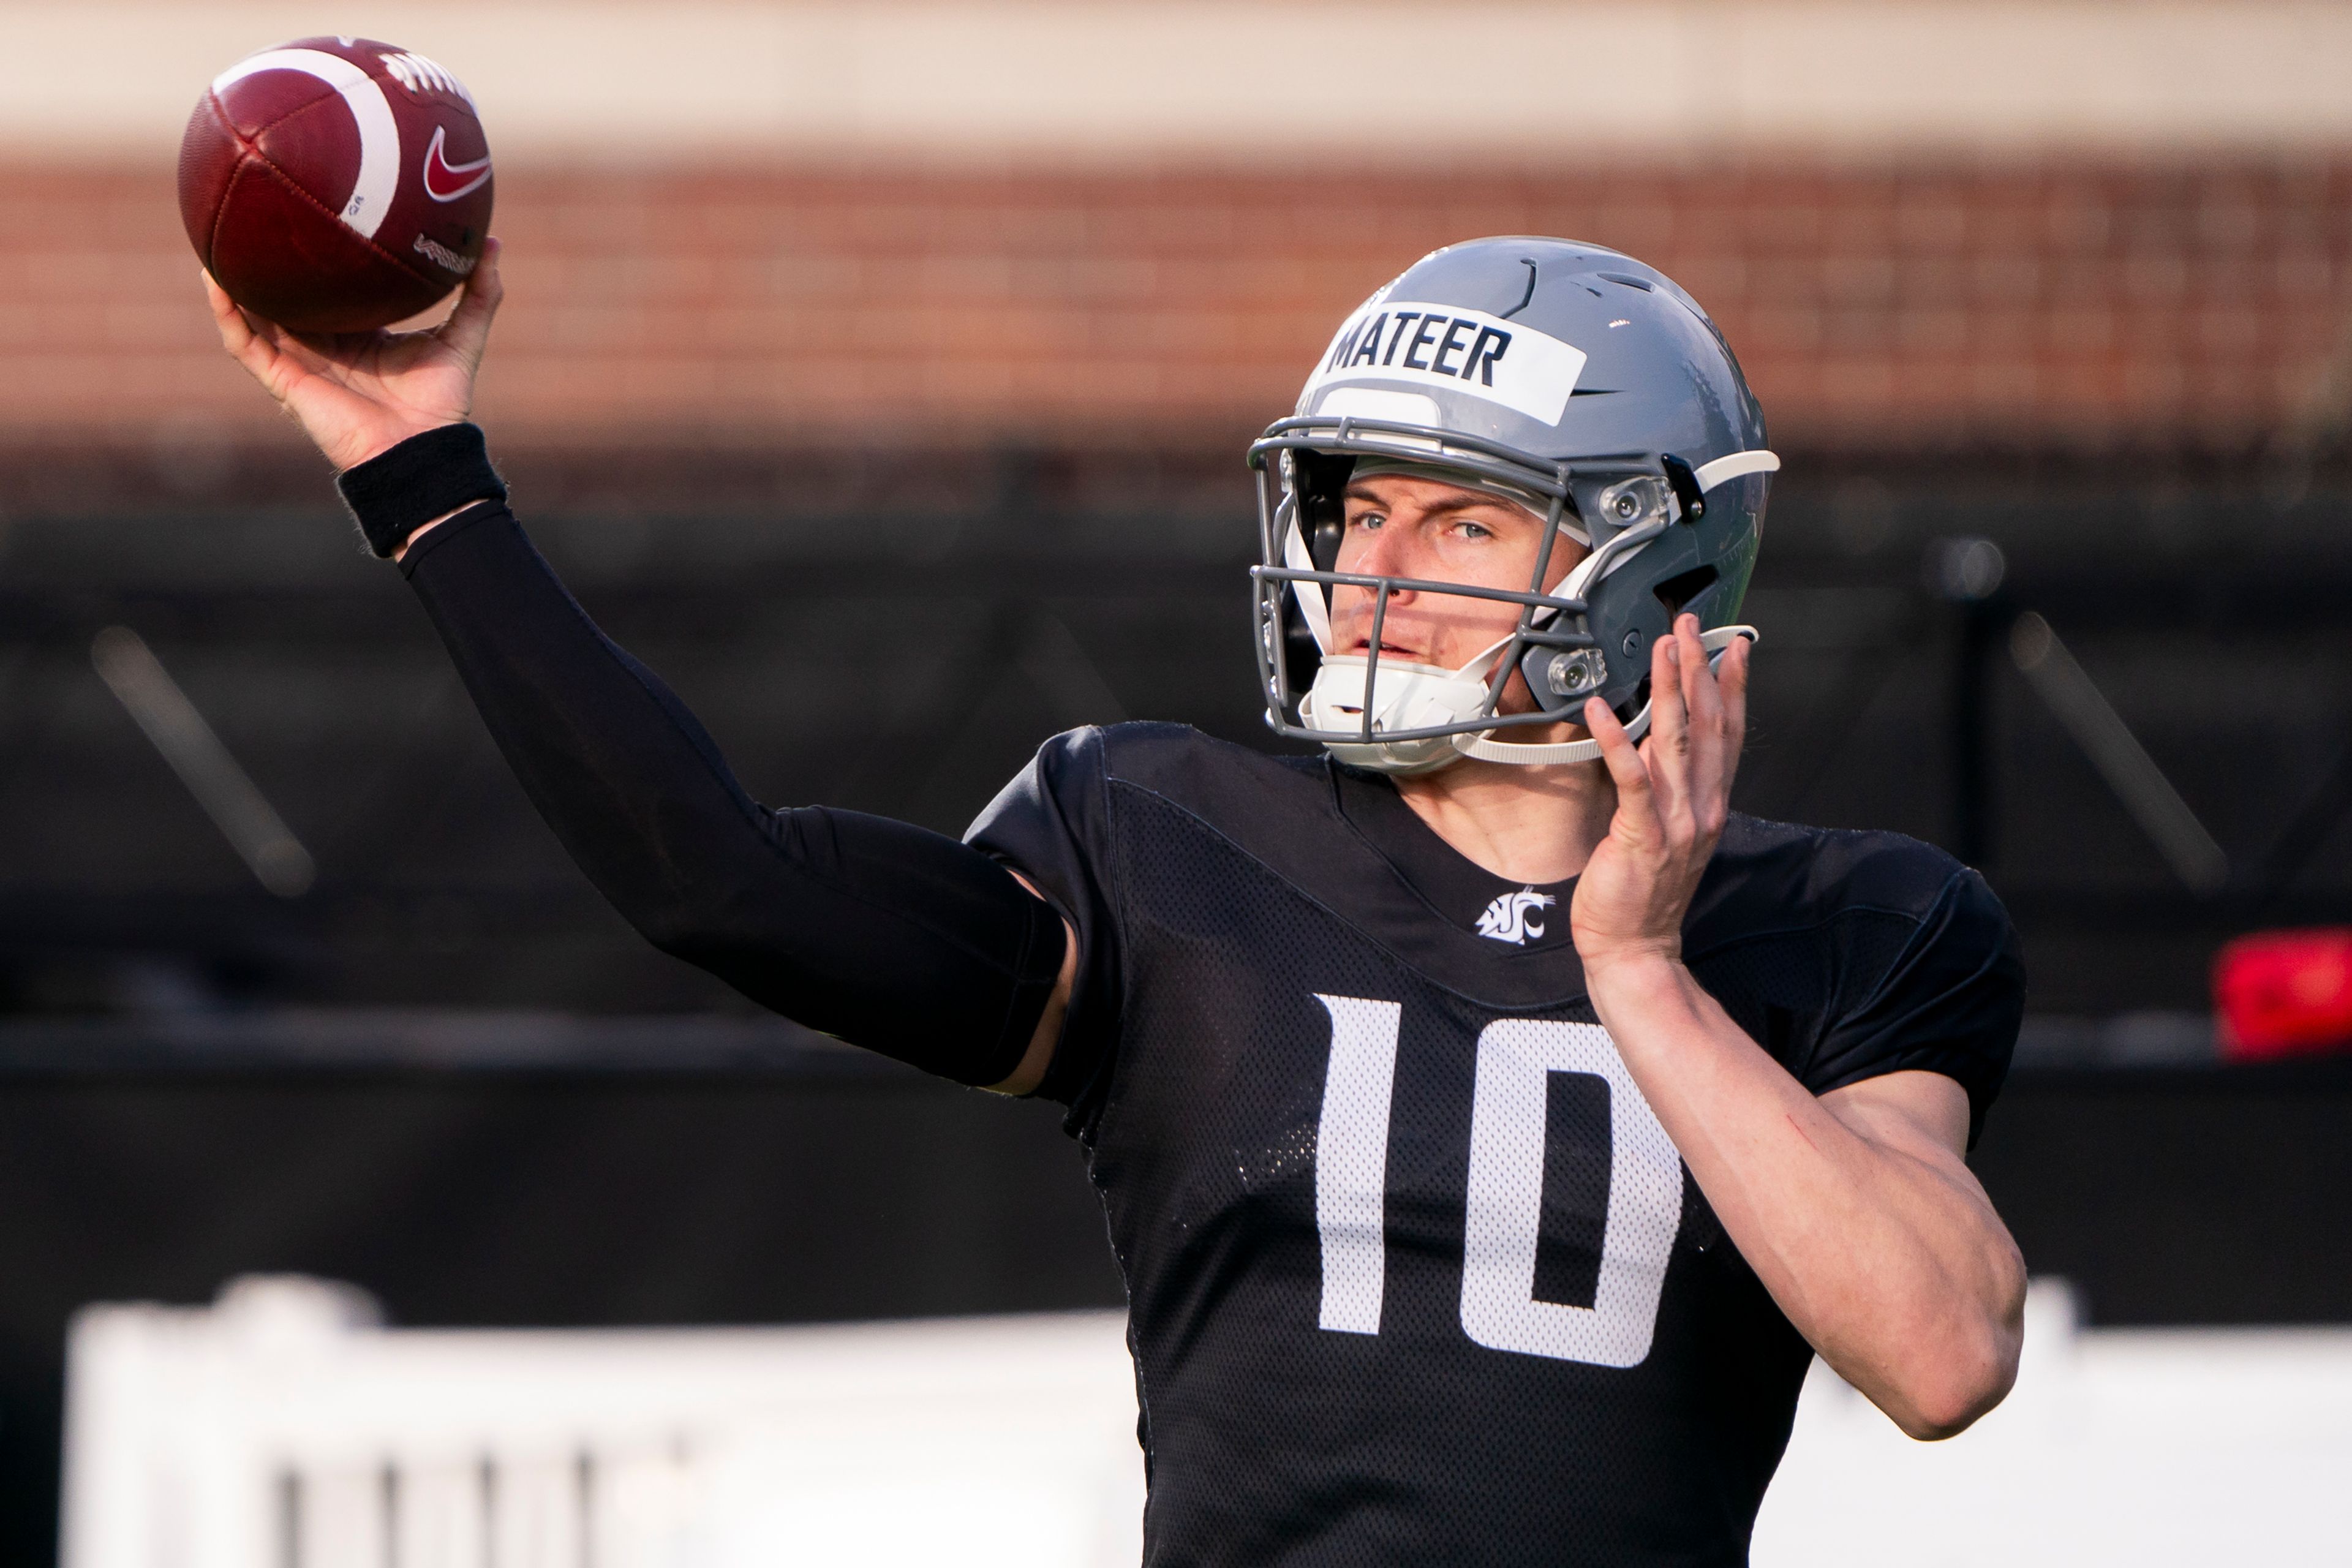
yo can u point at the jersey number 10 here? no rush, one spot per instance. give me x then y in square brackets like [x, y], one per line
[1508, 1111]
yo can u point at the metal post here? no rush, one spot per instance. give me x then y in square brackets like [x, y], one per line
[1967, 574]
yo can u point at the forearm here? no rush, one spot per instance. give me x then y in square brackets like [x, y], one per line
[883, 934]
[1890, 1262]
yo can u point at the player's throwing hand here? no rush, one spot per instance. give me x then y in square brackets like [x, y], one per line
[1673, 794]
[359, 393]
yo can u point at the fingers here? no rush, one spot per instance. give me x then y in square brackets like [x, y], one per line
[467, 329]
[1715, 699]
[1669, 715]
[1700, 696]
[269, 351]
[316, 355]
[1668, 747]
[1698, 717]
[1636, 804]
[1732, 677]
[234, 329]
[237, 329]
[1704, 703]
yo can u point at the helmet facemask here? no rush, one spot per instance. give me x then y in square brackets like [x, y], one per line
[1402, 718]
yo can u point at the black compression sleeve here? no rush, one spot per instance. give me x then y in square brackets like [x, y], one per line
[884, 935]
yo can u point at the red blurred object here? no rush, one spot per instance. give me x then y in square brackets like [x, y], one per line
[336, 184]
[2285, 994]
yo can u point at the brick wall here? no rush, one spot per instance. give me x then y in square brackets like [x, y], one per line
[2056, 309]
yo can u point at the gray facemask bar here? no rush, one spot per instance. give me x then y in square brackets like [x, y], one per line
[1464, 453]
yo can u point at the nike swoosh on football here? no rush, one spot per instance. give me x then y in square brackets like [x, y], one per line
[440, 171]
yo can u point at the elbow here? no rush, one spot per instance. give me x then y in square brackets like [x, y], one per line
[671, 925]
[1969, 1369]
[697, 925]
[1954, 1395]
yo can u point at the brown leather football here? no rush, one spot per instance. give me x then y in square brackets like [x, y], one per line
[336, 184]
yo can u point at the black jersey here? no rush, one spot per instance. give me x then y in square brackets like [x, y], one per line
[1414, 1274]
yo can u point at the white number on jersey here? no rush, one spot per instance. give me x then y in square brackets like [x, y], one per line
[1510, 1104]
[1351, 1161]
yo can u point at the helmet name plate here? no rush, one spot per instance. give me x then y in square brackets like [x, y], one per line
[1454, 347]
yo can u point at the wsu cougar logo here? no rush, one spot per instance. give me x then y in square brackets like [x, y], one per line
[1505, 919]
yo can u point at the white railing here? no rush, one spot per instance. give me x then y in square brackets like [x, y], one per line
[2136, 1448]
[281, 1429]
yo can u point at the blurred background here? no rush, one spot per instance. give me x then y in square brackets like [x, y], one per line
[881, 375]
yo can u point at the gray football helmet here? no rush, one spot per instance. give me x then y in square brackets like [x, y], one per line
[1574, 379]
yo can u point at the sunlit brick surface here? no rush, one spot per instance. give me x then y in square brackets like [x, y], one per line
[2054, 309]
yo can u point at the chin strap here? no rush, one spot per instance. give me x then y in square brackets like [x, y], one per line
[1487, 749]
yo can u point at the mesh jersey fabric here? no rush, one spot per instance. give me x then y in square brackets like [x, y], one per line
[1413, 1274]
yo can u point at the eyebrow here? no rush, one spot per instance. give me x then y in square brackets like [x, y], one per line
[1359, 492]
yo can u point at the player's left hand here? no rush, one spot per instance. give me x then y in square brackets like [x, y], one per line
[1674, 792]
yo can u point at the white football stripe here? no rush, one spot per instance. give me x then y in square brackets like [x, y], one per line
[372, 192]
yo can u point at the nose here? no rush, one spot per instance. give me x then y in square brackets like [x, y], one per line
[1386, 553]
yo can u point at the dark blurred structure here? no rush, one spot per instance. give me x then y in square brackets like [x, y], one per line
[906, 654]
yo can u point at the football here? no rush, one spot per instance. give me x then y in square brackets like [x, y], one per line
[336, 184]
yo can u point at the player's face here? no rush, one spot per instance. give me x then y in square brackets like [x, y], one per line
[1402, 526]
